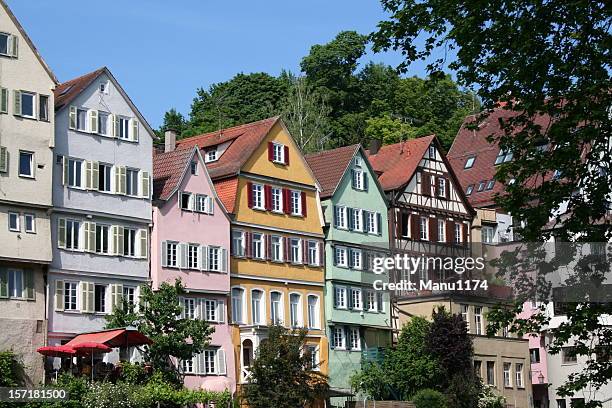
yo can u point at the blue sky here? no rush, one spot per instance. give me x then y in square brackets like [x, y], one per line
[162, 51]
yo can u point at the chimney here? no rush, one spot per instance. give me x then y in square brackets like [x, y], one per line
[170, 140]
[375, 146]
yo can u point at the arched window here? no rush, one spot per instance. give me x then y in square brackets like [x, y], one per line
[295, 309]
[257, 307]
[276, 308]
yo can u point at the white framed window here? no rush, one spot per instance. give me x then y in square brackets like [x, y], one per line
[214, 258]
[16, 283]
[372, 221]
[29, 223]
[458, 233]
[355, 338]
[131, 182]
[171, 254]
[296, 202]
[14, 219]
[276, 308]
[478, 319]
[258, 307]
[129, 241]
[356, 258]
[277, 199]
[295, 309]
[210, 361]
[187, 366]
[371, 305]
[340, 297]
[358, 179]
[338, 338]
[258, 196]
[340, 256]
[465, 315]
[105, 176]
[313, 311]
[518, 372]
[75, 173]
[296, 250]
[277, 248]
[340, 215]
[441, 231]
[5, 44]
[424, 228]
[201, 203]
[210, 310]
[313, 253]
[313, 352]
[357, 218]
[432, 152]
[211, 155]
[103, 123]
[70, 295]
[193, 256]
[237, 305]
[258, 246]
[26, 164]
[73, 229]
[503, 156]
[278, 153]
[442, 187]
[124, 127]
[81, 119]
[469, 162]
[193, 167]
[507, 375]
[238, 243]
[129, 294]
[102, 239]
[100, 298]
[356, 298]
[487, 234]
[186, 201]
[28, 104]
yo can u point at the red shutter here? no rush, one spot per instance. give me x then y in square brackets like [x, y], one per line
[248, 244]
[250, 194]
[286, 201]
[399, 230]
[321, 253]
[450, 232]
[416, 227]
[287, 155]
[305, 252]
[433, 229]
[437, 186]
[287, 249]
[425, 184]
[268, 197]
[303, 204]
[465, 234]
[268, 245]
[270, 151]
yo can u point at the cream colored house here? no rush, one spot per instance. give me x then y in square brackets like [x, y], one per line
[26, 164]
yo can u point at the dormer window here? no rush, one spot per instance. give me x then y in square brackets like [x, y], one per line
[481, 186]
[469, 190]
[490, 185]
[503, 156]
[211, 155]
[469, 162]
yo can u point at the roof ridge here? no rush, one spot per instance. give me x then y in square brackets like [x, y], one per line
[322, 152]
[236, 127]
[82, 76]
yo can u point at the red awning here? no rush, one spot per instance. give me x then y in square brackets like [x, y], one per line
[113, 338]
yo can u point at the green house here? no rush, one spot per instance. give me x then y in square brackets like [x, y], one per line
[355, 209]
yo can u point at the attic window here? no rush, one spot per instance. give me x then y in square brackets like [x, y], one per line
[503, 156]
[65, 91]
[211, 155]
[432, 152]
[469, 190]
[357, 161]
[490, 185]
[103, 87]
[469, 162]
[481, 186]
[194, 168]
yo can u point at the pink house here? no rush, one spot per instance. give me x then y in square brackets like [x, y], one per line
[537, 353]
[190, 241]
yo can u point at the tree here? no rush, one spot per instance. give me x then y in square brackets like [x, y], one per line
[306, 115]
[388, 129]
[172, 120]
[282, 374]
[158, 316]
[547, 63]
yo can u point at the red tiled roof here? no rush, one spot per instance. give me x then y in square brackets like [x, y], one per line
[397, 163]
[329, 166]
[244, 140]
[226, 191]
[66, 92]
[168, 169]
[473, 143]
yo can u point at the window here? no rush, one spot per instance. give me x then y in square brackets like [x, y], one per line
[72, 234]
[561, 403]
[14, 222]
[276, 308]
[481, 186]
[477, 367]
[441, 187]
[313, 312]
[211, 155]
[258, 198]
[194, 168]
[534, 355]
[131, 182]
[186, 201]
[358, 180]
[209, 361]
[432, 152]
[340, 297]
[103, 123]
[355, 341]
[372, 220]
[296, 250]
[465, 310]
[469, 190]
[478, 319]
[129, 242]
[357, 219]
[70, 295]
[104, 177]
[491, 372]
[214, 258]
[43, 107]
[257, 308]
[75, 173]
[193, 258]
[171, 254]
[129, 294]
[340, 217]
[187, 366]
[487, 234]
[356, 258]
[238, 243]
[100, 298]
[568, 355]
[490, 185]
[469, 162]
[277, 248]
[603, 353]
[424, 228]
[278, 153]
[81, 119]
[313, 253]
[277, 199]
[371, 305]
[340, 256]
[15, 283]
[507, 373]
[313, 352]
[210, 310]
[102, 239]
[26, 164]
[4, 43]
[27, 104]
[258, 246]
[503, 157]
[30, 223]
[103, 87]
[237, 302]
[338, 338]
[356, 298]
[458, 235]
[124, 128]
[380, 301]
[294, 310]
[189, 307]
[441, 231]
[296, 202]
[518, 374]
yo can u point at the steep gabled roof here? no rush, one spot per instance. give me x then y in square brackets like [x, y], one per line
[28, 41]
[168, 171]
[329, 166]
[244, 139]
[67, 91]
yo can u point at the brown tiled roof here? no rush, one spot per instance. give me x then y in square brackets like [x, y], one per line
[168, 170]
[396, 163]
[66, 92]
[329, 166]
[473, 143]
[226, 191]
[244, 140]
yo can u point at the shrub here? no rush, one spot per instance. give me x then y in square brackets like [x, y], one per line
[428, 398]
[488, 398]
[10, 368]
[133, 373]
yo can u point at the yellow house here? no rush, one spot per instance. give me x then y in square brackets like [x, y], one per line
[276, 267]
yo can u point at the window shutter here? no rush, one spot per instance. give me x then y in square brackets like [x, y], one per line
[65, 177]
[365, 181]
[117, 297]
[72, 118]
[144, 242]
[270, 151]
[4, 289]
[220, 311]
[117, 126]
[305, 253]
[287, 155]
[61, 232]
[433, 229]
[201, 365]
[450, 232]
[95, 175]
[287, 242]
[268, 197]
[92, 236]
[249, 187]
[303, 200]
[87, 246]
[425, 184]
[415, 226]
[122, 179]
[134, 130]
[464, 233]
[87, 297]
[353, 179]
[112, 119]
[378, 223]
[14, 43]
[3, 159]
[184, 255]
[93, 120]
[223, 260]
[349, 298]
[145, 183]
[210, 202]
[350, 216]
[286, 201]
[380, 302]
[17, 101]
[164, 251]
[221, 362]
[88, 175]
[447, 189]
[4, 95]
[59, 295]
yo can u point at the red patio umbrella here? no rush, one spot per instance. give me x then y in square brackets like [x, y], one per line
[57, 351]
[92, 347]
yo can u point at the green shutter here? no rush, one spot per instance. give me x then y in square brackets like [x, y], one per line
[95, 174]
[122, 179]
[4, 100]
[73, 117]
[61, 232]
[17, 100]
[144, 184]
[88, 174]
[93, 121]
[14, 46]
[144, 243]
[3, 283]
[29, 284]
[134, 130]
[3, 159]
[59, 295]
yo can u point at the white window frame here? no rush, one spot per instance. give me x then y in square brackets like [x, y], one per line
[356, 258]
[71, 286]
[76, 166]
[355, 338]
[193, 256]
[276, 194]
[209, 307]
[104, 117]
[238, 250]
[33, 96]
[313, 253]
[316, 313]
[238, 304]
[258, 196]
[17, 274]
[211, 155]
[131, 183]
[259, 318]
[31, 155]
[507, 374]
[130, 242]
[276, 316]
[296, 202]
[478, 319]
[341, 217]
[215, 261]
[341, 256]
[172, 254]
[441, 230]
[258, 242]
[32, 217]
[104, 236]
[356, 298]
[373, 226]
[276, 248]
[17, 218]
[295, 315]
[458, 233]
[358, 180]
[371, 301]
[518, 374]
[75, 225]
[488, 234]
[340, 297]
[442, 187]
[357, 219]
[293, 248]
[124, 128]
[129, 294]
[83, 122]
[278, 153]
[424, 232]
[339, 338]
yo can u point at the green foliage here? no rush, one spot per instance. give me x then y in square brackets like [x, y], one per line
[10, 369]
[158, 317]
[389, 130]
[281, 375]
[427, 398]
[120, 395]
[489, 399]
[172, 120]
[133, 373]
